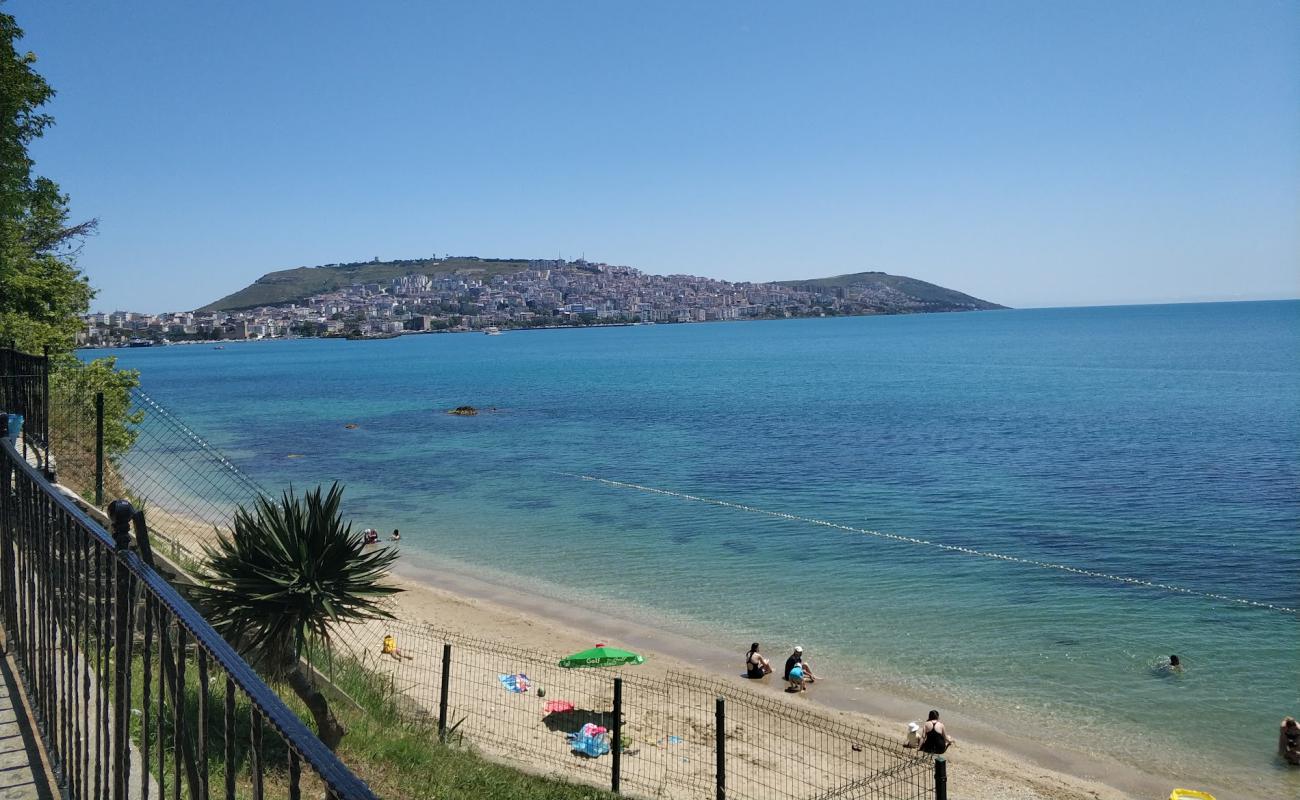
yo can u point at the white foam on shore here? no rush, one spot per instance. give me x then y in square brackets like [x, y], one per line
[1166, 587]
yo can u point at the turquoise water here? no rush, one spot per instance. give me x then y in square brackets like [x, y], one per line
[1157, 443]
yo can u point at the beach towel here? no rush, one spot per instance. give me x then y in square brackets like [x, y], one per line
[517, 683]
[557, 706]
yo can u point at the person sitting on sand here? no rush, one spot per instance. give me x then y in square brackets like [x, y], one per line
[1288, 741]
[389, 648]
[913, 735]
[934, 739]
[798, 672]
[797, 658]
[397, 536]
[756, 664]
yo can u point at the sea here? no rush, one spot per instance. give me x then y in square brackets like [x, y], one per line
[1013, 515]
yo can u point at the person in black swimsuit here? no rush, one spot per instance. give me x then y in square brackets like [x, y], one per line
[756, 664]
[1288, 741]
[934, 739]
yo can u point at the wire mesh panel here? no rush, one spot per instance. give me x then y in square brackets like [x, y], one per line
[775, 749]
[187, 486]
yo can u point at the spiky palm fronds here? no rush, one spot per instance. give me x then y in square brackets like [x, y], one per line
[291, 570]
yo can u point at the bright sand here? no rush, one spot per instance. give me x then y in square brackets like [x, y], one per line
[983, 764]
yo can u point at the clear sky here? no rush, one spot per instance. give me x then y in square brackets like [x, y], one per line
[1030, 153]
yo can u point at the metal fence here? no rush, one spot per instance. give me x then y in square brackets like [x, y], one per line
[676, 736]
[135, 695]
[188, 486]
[25, 390]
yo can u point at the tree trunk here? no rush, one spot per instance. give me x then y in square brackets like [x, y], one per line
[330, 730]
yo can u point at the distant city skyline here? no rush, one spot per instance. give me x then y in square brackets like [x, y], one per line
[1028, 154]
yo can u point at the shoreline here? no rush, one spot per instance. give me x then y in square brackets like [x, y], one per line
[986, 762]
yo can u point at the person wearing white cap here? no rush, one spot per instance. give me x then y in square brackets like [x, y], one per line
[797, 672]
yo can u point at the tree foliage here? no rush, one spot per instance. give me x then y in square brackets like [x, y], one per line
[42, 292]
[43, 289]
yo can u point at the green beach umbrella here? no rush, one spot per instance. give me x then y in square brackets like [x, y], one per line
[601, 656]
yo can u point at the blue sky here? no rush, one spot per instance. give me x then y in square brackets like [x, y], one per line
[1029, 153]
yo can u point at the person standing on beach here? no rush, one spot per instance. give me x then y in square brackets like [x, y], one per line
[756, 664]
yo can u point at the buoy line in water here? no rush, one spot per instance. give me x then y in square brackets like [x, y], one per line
[937, 545]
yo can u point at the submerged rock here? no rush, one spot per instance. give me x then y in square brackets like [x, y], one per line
[464, 411]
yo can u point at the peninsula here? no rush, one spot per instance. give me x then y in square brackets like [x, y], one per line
[384, 298]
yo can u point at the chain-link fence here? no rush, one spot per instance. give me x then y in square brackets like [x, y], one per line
[517, 705]
[186, 487]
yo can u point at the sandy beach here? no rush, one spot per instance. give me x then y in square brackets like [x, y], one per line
[984, 764]
[518, 625]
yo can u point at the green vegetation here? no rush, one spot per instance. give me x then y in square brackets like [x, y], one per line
[294, 285]
[288, 572]
[925, 292]
[41, 290]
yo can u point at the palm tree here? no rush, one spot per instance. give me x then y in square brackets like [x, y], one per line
[290, 572]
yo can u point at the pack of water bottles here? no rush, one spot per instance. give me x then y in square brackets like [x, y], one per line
[592, 740]
[11, 425]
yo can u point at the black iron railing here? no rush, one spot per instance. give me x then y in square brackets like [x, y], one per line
[134, 693]
[25, 390]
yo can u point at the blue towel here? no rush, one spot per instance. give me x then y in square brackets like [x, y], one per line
[518, 683]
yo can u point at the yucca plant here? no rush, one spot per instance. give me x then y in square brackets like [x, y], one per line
[289, 572]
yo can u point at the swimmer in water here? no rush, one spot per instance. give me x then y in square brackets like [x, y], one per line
[1171, 666]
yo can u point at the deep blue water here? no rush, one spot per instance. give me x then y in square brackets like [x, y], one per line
[1160, 443]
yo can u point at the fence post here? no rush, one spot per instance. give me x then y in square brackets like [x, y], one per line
[99, 449]
[940, 778]
[45, 403]
[720, 721]
[121, 512]
[616, 772]
[442, 692]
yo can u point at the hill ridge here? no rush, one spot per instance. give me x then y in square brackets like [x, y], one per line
[295, 285]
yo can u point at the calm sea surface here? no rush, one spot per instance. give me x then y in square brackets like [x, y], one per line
[1157, 443]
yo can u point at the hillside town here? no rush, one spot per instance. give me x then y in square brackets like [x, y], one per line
[550, 293]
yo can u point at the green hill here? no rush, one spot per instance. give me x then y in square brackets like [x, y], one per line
[887, 293]
[294, 285]
[855, 284]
